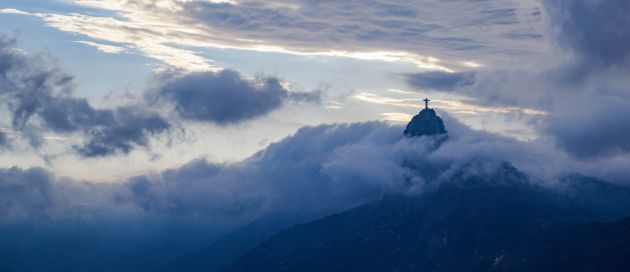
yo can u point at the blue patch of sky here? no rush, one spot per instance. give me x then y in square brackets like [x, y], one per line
[54, 6]
[97, 74]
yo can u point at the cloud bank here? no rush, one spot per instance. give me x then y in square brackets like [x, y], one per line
[322, 168]
[432, 34]
[318, 170]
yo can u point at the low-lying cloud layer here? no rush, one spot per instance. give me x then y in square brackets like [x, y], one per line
[319, 169]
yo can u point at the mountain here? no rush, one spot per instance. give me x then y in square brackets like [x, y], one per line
[232, 246]
[610, 201]
[497, 222]
[425, 123]
[475, 221]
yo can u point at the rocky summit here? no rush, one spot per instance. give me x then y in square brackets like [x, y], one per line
[425, 123]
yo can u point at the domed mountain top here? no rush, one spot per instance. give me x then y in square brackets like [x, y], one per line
[425, 123]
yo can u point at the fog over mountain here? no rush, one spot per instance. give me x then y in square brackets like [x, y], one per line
[319, 170]
[255, 135]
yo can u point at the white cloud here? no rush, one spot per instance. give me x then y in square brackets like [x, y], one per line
[399, 91]
[382, 100]
[396, 116]
[105, 48]
[448, 105]
[13, 11]
[431, 35]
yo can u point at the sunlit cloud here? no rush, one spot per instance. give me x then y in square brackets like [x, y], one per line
[55, 138]
[6, 130]
[149, 41]
[472, 64]
[333, 105]
[466, 108]
[457, 107]
[105, 48]
[167, 30]
[382, 100]
[399, 91]
[156, 37]
[13, 11]
[396, 116]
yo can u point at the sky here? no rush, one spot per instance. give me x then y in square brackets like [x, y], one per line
[184, 119]
[349, 62]
[105, 92]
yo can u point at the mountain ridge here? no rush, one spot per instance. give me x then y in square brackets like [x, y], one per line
[471, 225]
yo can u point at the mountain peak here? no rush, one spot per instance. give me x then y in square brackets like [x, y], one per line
[427, 122]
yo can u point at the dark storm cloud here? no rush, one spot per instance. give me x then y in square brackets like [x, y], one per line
[441, 81]
[3, 139]
[108, 130]
[596, 129]
[124, 127]
[226, 97]
[596, 30]
[582, 85]
[37, 92]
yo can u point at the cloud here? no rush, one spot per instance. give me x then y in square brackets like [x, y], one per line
[226, 97]
[593, 29]
[318, 168]
[4, 141]
[441, 81]
[580, 87]
[325, 168]
[36, 195]
[13, 11]
[590, 93]
[25, 193]
[432, 34]
[301, 167]
[123, 128]
[105, 48]
[452, 105]
[39, 97]
[596, 129]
